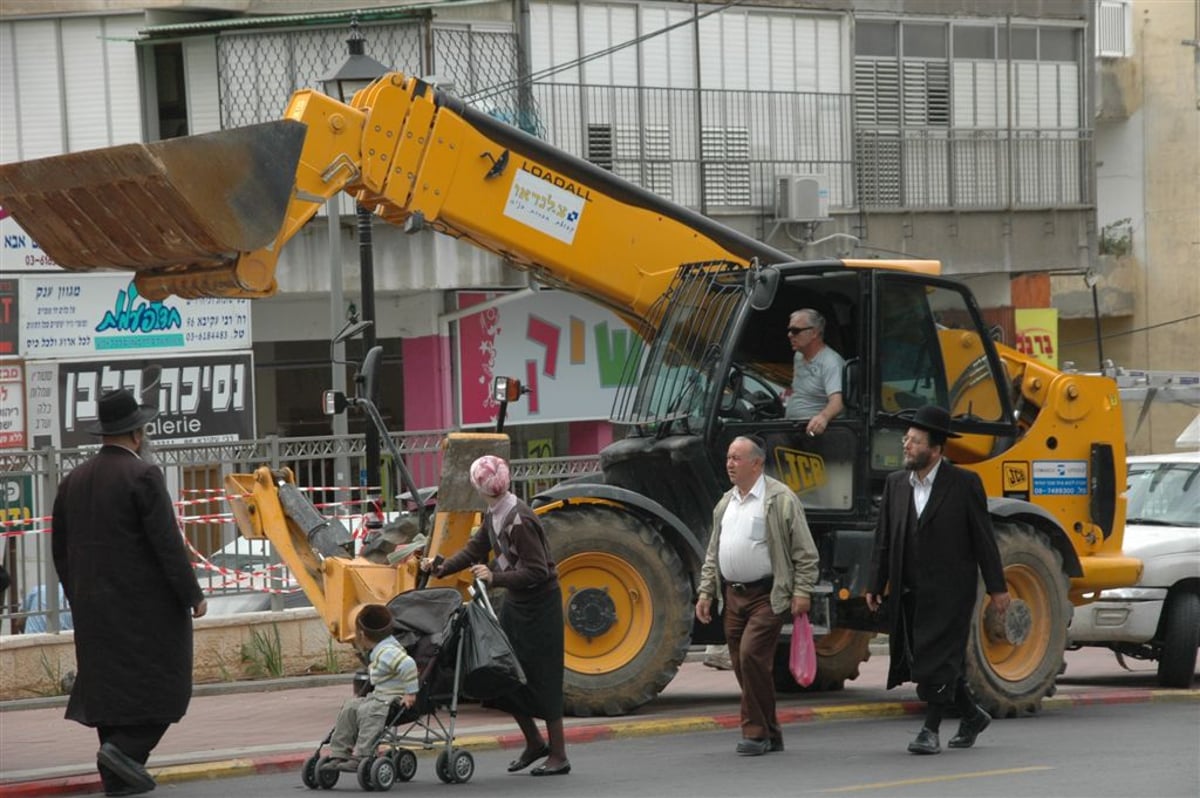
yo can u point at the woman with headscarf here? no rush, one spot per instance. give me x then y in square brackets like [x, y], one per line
[531, 616]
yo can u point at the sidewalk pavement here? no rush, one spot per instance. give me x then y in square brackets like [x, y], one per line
[278, 724]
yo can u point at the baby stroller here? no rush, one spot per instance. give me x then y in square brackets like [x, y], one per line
[457, 647]
[428, 624]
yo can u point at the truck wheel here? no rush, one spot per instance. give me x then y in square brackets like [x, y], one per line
[627, 608]
[839, 654]
[1011, 679]
[1181, 636]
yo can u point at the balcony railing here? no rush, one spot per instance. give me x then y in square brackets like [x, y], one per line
[976, 168]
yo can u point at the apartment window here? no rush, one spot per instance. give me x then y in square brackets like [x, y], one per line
[171, 112]
[975, 41]
[946, 118]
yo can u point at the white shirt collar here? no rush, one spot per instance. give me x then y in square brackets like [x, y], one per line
[757, 490]
[915, 481]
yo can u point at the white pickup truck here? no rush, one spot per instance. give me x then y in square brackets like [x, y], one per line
[1159, 617]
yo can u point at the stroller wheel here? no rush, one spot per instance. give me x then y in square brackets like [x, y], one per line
[308, 773]
[406, 764]
[383, 774]
[326, 776]
[462, 765]
[442, 766]
[364, 774]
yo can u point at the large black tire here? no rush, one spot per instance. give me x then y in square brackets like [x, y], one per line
[1181, 637]
[1010, 680]
[620, 575]
[839, 655]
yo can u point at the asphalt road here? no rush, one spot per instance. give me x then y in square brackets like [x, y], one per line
[1090, 751]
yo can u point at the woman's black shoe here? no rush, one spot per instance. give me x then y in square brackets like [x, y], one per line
[542, 770]
[527, 759]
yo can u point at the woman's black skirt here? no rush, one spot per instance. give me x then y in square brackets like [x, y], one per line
[535, 629]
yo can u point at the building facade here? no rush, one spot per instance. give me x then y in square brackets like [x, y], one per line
[964, 131]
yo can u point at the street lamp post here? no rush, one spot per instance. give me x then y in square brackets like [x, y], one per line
[356, 72]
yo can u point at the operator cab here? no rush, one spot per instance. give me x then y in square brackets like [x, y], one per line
[720, 364]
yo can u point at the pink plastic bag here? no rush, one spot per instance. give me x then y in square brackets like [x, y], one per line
[803, 660]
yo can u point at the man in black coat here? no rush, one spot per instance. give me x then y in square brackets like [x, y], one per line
[933, 539]
[126, 573]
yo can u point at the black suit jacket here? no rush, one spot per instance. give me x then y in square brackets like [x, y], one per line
[125, 569]
[956, 544]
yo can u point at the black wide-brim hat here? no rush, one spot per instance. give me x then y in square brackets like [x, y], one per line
[932, 418]
[121, 413]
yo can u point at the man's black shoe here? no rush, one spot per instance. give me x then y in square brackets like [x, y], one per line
[969, 729]
[925, 743]
[775, 747]
[128, 770]
[748, 747]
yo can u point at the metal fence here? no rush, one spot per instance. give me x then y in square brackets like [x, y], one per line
[195, 475]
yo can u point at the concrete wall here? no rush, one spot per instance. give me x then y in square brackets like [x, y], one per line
[31, 665]
[1150, 172]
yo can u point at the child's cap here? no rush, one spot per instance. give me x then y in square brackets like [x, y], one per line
[375, 621]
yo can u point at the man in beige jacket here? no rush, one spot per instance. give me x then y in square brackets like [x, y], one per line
[762, 557]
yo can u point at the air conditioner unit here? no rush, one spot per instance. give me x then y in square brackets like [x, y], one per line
[802, 198]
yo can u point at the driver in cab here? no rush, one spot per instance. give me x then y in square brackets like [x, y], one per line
[816, 392]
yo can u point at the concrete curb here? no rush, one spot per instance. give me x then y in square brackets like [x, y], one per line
[576, 735]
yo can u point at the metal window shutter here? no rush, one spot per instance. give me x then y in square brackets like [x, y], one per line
[877, 92]
[84, 83]
[1025, 94]
[1068, 92]
[200, 69]
[726, 34]
[600, 145]
[681, 49]
[623, 28]
[831, 74]
[926, 93]
[42, 127]
[10, 149]
[1047, 82]
[656, 63]
[123, 77]
[563, 41]
[596, 37]
[966, 112]
[780, 49]
[806, 55]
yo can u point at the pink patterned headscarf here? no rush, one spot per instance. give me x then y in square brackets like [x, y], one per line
[489, 475]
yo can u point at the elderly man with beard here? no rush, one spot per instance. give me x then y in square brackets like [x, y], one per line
[933, 539]
[125, 570]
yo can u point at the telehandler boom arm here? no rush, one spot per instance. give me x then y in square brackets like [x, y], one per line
[209, 215]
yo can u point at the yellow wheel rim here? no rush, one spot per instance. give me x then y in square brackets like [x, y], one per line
[596, 583]
[1015, 663]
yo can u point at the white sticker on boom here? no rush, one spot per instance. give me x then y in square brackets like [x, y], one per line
[544, 206]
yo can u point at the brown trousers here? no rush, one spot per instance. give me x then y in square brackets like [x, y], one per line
[752, 630]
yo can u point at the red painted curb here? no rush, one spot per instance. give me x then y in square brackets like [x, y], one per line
[66, 785]
[280, 763]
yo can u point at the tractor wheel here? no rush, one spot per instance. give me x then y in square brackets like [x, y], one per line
[627, 608]
[1181, 635]
[839, 654]
[1012, 679]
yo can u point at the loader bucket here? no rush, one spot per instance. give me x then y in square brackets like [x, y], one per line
[189, 200]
